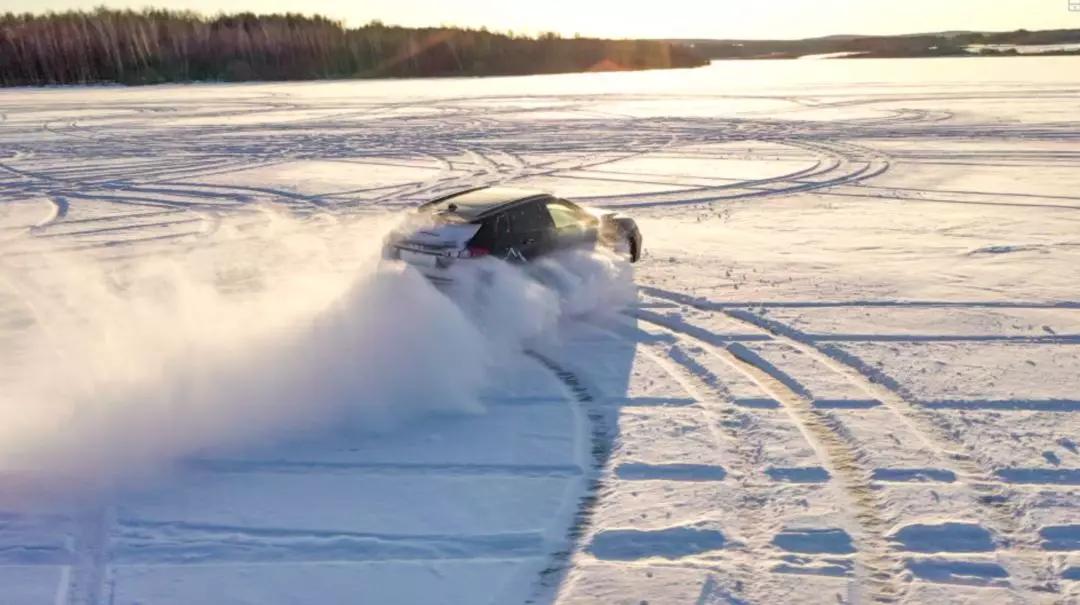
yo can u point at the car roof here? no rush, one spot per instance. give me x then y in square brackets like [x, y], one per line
[477, 203]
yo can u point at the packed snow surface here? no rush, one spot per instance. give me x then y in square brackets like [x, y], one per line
[849, 371]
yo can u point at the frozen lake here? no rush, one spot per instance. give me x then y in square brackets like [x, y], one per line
[850, 372]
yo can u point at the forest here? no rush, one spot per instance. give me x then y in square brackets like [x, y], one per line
[155, 46]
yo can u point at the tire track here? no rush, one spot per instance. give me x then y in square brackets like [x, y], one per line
[721, 421]
[173, 543]
[877, 567]
[1034, 569]
[596, 426]
[1030, 565]
[854, 165]
[89, 573]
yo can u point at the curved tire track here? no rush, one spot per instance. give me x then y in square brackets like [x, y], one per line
[878, 567]
[1032, 565]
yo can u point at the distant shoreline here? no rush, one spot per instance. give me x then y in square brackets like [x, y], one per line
[1064, 42]
[160, 46]
[1074, 53]
[154, 46]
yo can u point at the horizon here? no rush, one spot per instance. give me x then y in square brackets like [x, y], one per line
[798, 19]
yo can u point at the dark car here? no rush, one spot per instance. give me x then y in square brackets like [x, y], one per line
[515, 225]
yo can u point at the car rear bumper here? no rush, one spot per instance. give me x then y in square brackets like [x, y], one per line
[437, 268]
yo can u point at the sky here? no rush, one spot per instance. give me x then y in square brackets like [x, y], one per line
[647, 18]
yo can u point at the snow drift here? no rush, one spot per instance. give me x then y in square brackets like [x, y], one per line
[116, 369]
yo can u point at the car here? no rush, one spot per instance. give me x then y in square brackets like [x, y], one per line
[513, 225]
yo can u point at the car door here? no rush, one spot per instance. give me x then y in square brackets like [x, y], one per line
[495, 235]
[573, 227]
[530, 231]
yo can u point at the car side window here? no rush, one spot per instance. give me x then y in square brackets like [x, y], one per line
[529, 217]
[493, 232]
[564, 216]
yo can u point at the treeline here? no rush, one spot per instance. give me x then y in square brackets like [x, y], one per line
[928, 45]
[153, 46]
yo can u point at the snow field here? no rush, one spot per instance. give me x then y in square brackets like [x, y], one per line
[849, 374]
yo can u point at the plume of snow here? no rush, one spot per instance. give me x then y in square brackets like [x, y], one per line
[114, 370]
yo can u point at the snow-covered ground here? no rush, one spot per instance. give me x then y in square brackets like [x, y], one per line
[851, 373]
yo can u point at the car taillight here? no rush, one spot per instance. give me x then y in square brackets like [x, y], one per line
[474, 252]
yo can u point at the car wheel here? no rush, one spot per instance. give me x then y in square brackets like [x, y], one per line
[623, 247]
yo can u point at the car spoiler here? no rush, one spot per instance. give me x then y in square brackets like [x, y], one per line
[448, 196]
